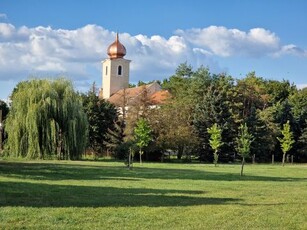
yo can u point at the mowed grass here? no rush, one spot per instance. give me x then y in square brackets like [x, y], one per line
[106, 195]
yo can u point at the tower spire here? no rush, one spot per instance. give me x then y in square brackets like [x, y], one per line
[116, 49]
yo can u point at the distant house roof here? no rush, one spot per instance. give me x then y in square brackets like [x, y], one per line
[160, 97]
[153, 92]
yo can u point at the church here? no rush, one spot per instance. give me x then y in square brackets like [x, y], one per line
[115, 80]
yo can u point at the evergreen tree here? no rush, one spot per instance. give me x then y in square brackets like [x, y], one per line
[303, 145]
[214, 107]
[4, 110]
[262, 145]
[115, 140]
[101, 117]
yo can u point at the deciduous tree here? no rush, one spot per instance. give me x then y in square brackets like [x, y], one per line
[46, 120]
[215, 140]
[142, 135]
[244, 141]
[286, 141]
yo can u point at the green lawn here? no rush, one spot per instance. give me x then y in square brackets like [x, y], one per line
[106, 195]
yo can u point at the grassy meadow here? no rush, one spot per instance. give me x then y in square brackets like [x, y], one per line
[106, 195]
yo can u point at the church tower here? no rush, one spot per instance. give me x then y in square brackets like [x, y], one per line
[115, 69]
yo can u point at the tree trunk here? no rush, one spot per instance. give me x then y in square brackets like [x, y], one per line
[180, 152]
[291, 159]
[283, 159]
[243, 161]
[129, 159]
[272, 159]
[140, 156]
[254, 156]
[216, 158]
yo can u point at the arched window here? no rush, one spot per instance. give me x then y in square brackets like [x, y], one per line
[119, 70]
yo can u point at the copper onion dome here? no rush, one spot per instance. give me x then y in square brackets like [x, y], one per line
[116, 49]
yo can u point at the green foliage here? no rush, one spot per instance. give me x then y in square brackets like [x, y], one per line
[173, 123]
[115, 140]
[5, 109]
[286, 141]
[303, 144]
[142, 134]
[279, 91]
[101, 117]
[214, 107]
[263, 142]
[243, 141]
[215, 140]
[46, 121]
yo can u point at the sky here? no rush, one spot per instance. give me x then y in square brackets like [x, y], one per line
[48, 39]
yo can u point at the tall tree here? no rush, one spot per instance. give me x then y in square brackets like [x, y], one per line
[4, 110]
[215, 107]
[46, 120]
[244, 141]
[262, 145]
[279, 90]
[101, 117]
[286, 141]
[215, 140]
[173, 129]
[303, 145]
[142, 135]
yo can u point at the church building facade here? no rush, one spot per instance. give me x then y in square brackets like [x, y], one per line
[115, 80]
[115, 69]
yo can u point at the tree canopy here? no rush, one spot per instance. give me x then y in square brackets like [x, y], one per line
[46, 121]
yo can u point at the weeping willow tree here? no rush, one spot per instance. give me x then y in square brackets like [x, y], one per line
[46, 121]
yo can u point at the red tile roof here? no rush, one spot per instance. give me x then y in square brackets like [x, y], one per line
[129, 96]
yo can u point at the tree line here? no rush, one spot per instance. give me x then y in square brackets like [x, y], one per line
[49, 119]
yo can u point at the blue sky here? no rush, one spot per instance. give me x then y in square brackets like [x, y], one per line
[51, 38]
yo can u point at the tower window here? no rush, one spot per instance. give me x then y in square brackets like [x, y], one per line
[106, 70]
[119, 70]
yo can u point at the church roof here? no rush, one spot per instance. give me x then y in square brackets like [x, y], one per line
[116, 49]
[129, 96]
[160, 97]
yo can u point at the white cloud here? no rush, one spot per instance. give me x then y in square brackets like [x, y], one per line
[232, 42]
[291, 50]
[42, 50]
[301, 86]
[6, 30]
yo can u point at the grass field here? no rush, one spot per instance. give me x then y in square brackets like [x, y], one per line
[106, 195]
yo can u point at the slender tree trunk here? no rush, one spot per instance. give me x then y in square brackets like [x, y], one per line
[180, 152]
[254, 158]
[272, 159]
[283, 159]
[291, 159]
[242, 166]
[216, 158]
[140, 156]
[129, 159]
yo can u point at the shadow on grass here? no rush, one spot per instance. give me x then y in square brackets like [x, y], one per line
[59, 171]
[44, 195]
